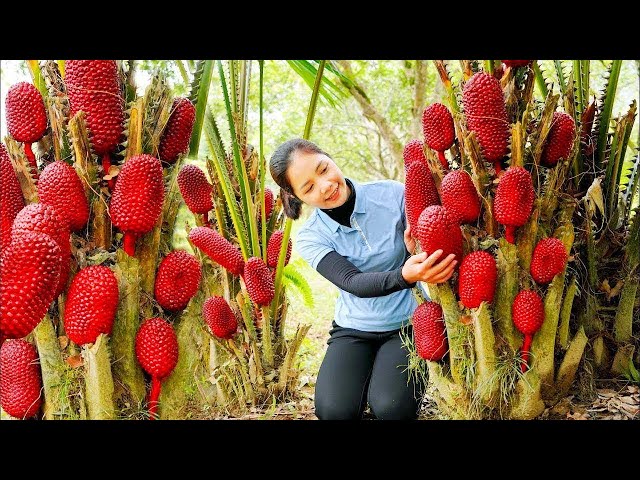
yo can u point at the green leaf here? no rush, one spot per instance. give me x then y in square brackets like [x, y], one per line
[293, 278]
[604, 118]
[331, 92]
[198, 96]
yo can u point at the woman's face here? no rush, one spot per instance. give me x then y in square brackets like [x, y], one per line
[317, 180]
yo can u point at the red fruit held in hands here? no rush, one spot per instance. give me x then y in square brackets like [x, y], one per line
[218, 248]
[437, 230]
[20, 379]
[91, 304]
[177, 134]
[257, 278]
[460, 197]
[560, 139]
[486, 115]
[196, 190]
[438, 129]
[60, 186]
[94, 87]
[273, 249]
[26, 117]
[178, 280]
[527, 312]
[11, 199]
[219, 317]
[137, 198]
[477, 281]
[419, 192]
[30, 271]
[548, 260]
[413, 152]
[429, 331]
[157, 352]
[514, 200]
[41, 218]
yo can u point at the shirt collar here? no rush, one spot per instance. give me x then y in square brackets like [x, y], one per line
[358, 207]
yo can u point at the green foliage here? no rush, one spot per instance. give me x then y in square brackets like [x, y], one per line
[294, 280]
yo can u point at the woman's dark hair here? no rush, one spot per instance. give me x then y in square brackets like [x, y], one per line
[280, 161]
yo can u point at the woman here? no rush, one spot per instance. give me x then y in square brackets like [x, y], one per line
[357, 238]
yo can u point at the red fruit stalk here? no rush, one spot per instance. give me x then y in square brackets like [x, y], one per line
[30, 271]
[11, 199]
[514, 200]
[91, 304]
[157, 351]
[60, 186]
[527, 312]
[460, 197]
[137, 198]
[548, 260]
[26, 117]
[257, 279]
[41, 218]
[177, 134]
[219, 317]
[429, 331]
[178, 280]
[438, 129]
[420, 192]
[273, 249]
[93, 86]
[20, 379]
[196, 191]
[477, 280]
[218, 248]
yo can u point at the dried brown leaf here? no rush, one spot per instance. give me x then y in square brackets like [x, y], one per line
[75, 361]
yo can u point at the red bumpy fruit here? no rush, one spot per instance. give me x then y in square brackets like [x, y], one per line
[548, 260]
[196, 191]
[420, 192]
[218, 248]
[11, 199]
[273, 249]
[178, 280]
[437, 230]
[60, 186]
[20, 379]
[177, 134]
[413, 152]
[460, 197]
[429, 331]
[157, 351]
[439, 133]
[477, 280]
[219, 317]
[560, 139]
[137, 198]
[514, 200]
[258, 281]
[91, 304]
[527, 312]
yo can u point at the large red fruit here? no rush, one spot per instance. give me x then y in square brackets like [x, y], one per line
[137, 198]
[477, 281]
[269, 202]
[548, 260]
[486, 115]
[93, 86]
[11, 199]
[257, 278]
[437, 230]
[157, 352]
[26, 116]
[514, 200]
[429, 331]
[195, 189]
[413, 152]
[91, 304]
[560, 139]
[219, 317]
[20, 379]
[438, 129]
[527, 312]
[273, 249]
[419, 192]
[38, 217]
[460, 197]
[218, 248]
[30, 271]
[178, 280]
[60, 186]
[177, 134]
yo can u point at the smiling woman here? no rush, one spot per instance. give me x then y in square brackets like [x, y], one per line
[357, 237]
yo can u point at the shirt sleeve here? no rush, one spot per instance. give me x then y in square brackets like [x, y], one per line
[312, 247]
[346, 276]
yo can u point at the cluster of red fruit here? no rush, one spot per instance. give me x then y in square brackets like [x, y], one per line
[435, 216]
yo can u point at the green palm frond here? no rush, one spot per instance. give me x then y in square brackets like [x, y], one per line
[198, 96]
[543, 82]
[619, 143]
[606, 107]
[329, 90]
[629, 181]
[561, 74]
[293, 278]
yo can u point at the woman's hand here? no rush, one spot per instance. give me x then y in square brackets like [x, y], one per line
[425, 269]
[409, 241]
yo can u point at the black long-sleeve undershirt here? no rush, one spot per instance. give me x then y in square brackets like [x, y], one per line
[345, 275]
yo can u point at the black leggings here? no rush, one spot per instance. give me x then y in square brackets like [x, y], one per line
[365, 366]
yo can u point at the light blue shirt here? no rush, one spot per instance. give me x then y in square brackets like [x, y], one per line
[373, 243]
